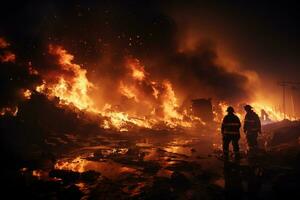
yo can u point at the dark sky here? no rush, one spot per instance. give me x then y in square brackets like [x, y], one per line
[262, 36]
[263, 33]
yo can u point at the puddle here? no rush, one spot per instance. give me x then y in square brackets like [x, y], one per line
[164, 173]
[220, 182]
[179, 150]
[109, 169]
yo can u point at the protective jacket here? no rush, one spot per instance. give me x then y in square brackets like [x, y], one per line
[252, 122]
[231, 125]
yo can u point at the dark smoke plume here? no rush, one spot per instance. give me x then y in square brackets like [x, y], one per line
[101, 34]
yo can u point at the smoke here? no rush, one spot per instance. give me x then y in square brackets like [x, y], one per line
[197, 73]
[15, 77]
[101, 35]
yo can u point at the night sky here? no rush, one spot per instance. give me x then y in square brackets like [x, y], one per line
[262, 36]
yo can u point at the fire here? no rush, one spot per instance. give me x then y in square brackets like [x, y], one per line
[70, 90]
[128, 92]
[3, 43]
[8, 57]
[258, 106]
[273, 114]
[138, 71]
[27, 94]
[160, 103]
[41, 88]
[31, 69]
[120, 120]
[13, 111]
[77, 165]
[170, 103]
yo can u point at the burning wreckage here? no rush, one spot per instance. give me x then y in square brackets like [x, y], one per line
[128, 131]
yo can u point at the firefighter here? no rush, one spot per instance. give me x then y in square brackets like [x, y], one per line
[231, 133]
[252, 127]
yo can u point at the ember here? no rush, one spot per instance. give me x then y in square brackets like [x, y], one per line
[149, 100]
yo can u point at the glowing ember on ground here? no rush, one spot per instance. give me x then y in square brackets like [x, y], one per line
[9, 111]
[109, 169]
[8, 57]
[27, 94]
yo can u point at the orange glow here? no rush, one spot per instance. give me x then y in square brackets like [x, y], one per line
[138, 71]
[73, 91]
[273, 114]
[8, 57]
[13, 111]
[27, 94]
[31, 70]
[170, 103]
[121, 120]
[109, 169]
[77, 165]
[161, 103]
[3, 43]
[128, 92]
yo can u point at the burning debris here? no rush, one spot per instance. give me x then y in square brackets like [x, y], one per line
[72, 87]
[104, 100]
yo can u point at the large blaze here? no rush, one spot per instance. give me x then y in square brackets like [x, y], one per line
[149, 100]
[72, 89]
[158, 99]
[161, 103]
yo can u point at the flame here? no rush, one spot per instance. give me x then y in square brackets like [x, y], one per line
[41, 88]
[27, 94]
[13, 111]
[108, 169]
[161, 102]
[128, 92]
[120, 120]
[72, 90]
[31, 70]
[273, 113]
[8, 57]
[3, 43]
[138, 71]
[170, 103]
[77, 165]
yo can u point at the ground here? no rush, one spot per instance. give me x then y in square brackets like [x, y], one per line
[66, 155]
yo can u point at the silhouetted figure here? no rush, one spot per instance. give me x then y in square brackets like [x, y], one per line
[252, 127]
[264, 116]
[231, 133]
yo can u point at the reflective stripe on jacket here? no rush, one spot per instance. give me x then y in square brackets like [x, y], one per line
[231, 124]
[252, 122]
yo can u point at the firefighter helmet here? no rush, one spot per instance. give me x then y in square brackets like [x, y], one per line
[248, 107]
[230, 109]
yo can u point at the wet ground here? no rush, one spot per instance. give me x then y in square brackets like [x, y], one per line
[142, 166]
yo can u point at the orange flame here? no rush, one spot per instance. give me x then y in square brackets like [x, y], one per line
[138, 71]
[3, 43]
[13, 111]
[8, 57]
[27, 94]
[74, 91]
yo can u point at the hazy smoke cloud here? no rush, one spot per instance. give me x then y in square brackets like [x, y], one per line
[101, 35]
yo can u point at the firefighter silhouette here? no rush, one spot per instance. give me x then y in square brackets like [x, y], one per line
[231, 133]
[252, 127]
